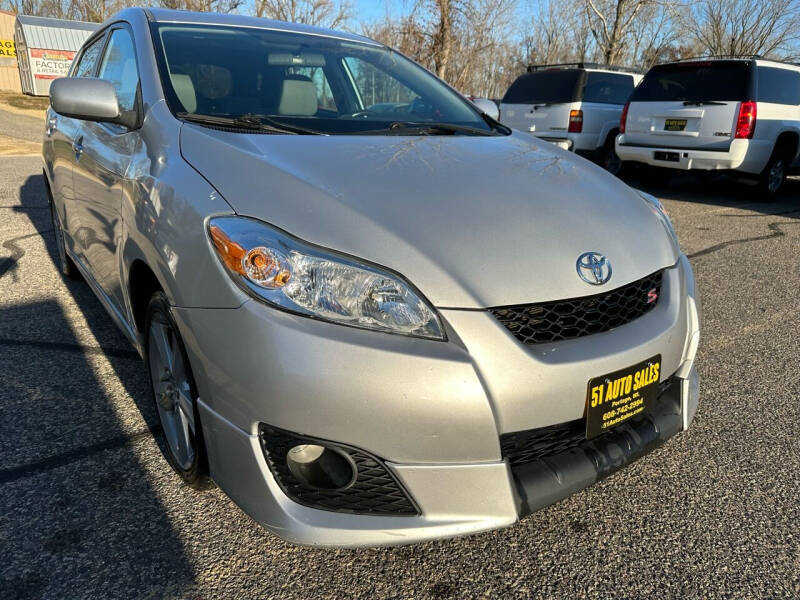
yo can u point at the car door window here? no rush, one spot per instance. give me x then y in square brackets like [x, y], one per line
[88, 61]
[119, 67]
[778, 86]
[607, 88]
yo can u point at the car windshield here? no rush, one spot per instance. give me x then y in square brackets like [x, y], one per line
[250, 78]
[706, 81]
[544, 87]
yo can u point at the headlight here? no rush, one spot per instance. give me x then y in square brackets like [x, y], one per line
[659, 210]
[301, 278]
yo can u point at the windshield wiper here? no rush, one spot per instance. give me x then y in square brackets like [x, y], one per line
[265, 121]
[403, 128]
[245, 123]
[702, 103]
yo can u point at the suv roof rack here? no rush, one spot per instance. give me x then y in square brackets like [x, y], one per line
[582, 65]
[738, 56]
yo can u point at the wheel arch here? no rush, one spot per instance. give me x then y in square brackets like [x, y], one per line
[142, 284]
[789, 141]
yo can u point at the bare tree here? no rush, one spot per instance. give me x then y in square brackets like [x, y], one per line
[744, 27]
[558, 32]
[322, 13]
[653, 35]
[221, 6]
[611, 22]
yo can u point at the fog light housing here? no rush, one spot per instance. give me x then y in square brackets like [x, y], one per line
[329, 475]
[321, 467]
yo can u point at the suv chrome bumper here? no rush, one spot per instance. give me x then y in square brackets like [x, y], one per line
[748, 156]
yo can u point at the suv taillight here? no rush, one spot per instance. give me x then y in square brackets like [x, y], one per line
[575, 121]
[624, 117]
[746, 121]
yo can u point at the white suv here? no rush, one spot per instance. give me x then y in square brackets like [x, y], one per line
[739, 114]
[577, 106]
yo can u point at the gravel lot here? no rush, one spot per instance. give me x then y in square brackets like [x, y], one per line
[89, 508]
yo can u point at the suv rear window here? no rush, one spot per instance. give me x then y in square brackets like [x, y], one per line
[779, 86]
[607, 88]
[544, 87]
[720, 81]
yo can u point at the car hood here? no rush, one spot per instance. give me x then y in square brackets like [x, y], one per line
[473, 222]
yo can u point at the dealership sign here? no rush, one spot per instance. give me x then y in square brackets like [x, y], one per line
[7, 49]
[50, 64]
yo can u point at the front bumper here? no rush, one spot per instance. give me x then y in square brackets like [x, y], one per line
[434, 412]
[748, 156]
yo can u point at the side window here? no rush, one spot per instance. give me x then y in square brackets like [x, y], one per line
[778, 86]
[88, 59]
[119, 67]
[607, 88]
[376, 86]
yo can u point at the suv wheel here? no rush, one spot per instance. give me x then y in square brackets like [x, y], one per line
[609, 159]
[174, 394]
[64, 263]
[773, 176]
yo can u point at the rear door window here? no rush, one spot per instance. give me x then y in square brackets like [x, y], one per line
[544, 87]
[711, 81]
[607, 88]
[778, 86]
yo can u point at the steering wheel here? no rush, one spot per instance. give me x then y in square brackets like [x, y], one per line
[423, 108]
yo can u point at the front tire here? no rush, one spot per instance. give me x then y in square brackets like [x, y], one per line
[174, 394]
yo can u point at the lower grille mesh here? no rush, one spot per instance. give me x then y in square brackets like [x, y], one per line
[375, 491]
[523, 447]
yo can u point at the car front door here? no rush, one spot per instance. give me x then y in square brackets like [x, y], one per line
[60, 145]
[104, 154]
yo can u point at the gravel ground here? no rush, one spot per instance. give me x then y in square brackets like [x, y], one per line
[22, 126]
[89, 508]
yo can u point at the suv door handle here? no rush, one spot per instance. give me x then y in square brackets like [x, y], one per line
[77, 147]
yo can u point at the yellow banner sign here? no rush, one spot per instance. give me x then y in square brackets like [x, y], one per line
[7, 49]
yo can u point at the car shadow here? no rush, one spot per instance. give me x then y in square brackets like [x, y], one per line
[721, 190]
[76, 501]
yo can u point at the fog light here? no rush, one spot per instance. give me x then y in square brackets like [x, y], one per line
[321, 467]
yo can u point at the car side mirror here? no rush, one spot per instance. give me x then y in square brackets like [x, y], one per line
[487, 107]
[89, 99]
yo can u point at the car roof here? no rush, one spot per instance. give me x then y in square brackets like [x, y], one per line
[165, 15]
[757, 59]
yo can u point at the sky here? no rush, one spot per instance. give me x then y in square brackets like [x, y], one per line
[374, 10]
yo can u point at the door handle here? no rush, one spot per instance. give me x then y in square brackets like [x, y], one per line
[77, 147]
[51, 125]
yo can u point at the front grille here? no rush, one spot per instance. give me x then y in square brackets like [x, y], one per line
[523, 447]
[570, 319]
[375, 490]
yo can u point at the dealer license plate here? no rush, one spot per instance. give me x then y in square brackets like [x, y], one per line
[617, 397]
[674, 124]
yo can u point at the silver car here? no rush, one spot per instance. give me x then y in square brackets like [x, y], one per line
[370, 313]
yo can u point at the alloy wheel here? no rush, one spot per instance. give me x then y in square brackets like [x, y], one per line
[775, 176]
[172, 391]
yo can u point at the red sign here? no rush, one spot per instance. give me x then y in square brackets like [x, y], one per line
[50, 64]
